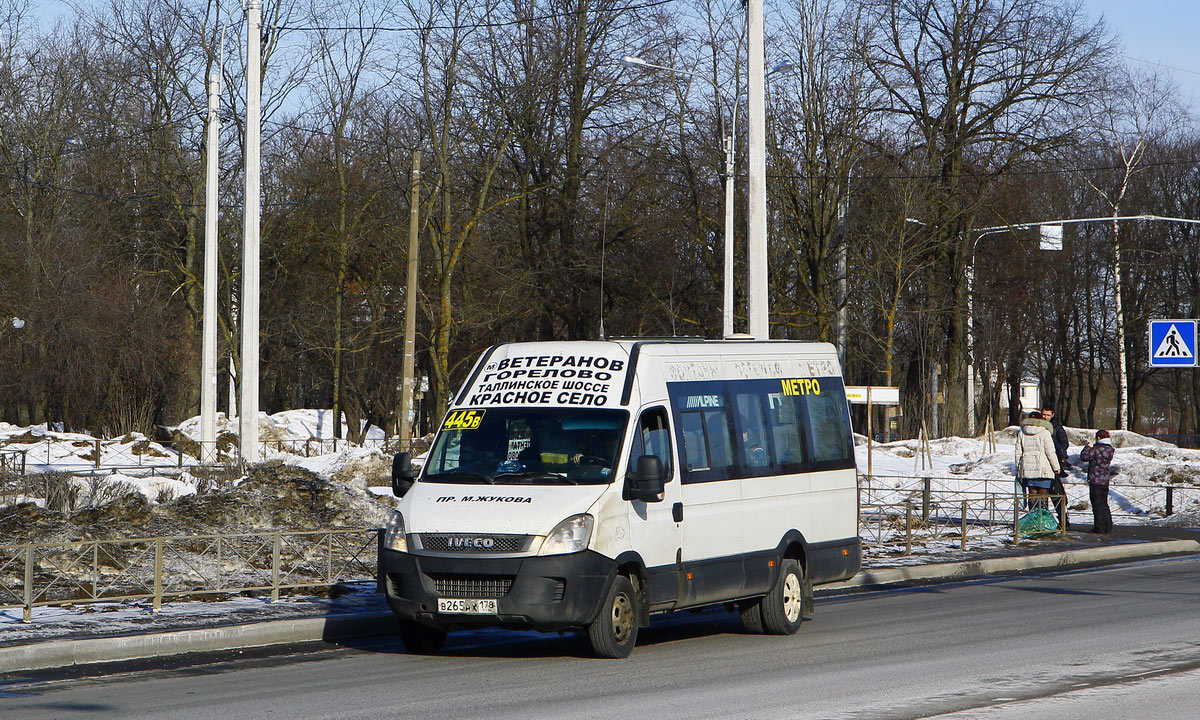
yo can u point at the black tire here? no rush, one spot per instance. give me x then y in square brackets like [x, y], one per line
[783, 607]
[421, 639]
[614, 632]
[751, 612]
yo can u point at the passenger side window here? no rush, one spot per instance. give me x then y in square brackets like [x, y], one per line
[707, 444]
[653, 438]
[755, 446]
[829, 437]
[785, 429]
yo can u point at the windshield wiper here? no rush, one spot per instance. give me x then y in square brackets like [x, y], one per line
[459, 474]
[541, 474]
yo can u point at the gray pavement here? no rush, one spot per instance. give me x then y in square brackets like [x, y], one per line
[912, 652]
[364, 614]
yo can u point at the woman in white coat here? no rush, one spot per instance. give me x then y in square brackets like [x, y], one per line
[1037, 463]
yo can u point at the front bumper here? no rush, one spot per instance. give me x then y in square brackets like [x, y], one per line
[553, 592]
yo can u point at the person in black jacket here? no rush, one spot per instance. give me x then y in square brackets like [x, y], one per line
[1059, 435]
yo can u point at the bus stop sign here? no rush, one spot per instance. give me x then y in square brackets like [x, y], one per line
[1172, 343]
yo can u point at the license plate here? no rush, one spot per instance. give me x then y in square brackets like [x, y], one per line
[472, 606]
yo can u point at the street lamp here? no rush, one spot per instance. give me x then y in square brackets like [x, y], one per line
[1122, 421]
[728, 144]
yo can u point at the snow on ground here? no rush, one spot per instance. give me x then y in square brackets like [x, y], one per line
[957, 463]
[1138, 459]
[160, 473]
[46, 449]
[289, 425]
[122, 618]
[1140, 466]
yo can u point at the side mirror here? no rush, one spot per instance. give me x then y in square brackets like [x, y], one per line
[647, 484]
[403, 473]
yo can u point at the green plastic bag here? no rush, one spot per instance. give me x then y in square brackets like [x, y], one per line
[1038, 522]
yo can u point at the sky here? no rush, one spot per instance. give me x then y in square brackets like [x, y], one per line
[1158, 32]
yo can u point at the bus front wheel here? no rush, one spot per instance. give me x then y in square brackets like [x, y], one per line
[614, 632]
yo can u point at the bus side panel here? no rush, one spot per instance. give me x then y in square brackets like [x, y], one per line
[835, 552]
[772, 506]
[834, 560]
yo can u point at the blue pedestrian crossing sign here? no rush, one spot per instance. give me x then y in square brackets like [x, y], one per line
[1173, 343]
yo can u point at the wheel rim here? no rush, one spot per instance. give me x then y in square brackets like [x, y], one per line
[622, 618]
[791, 597]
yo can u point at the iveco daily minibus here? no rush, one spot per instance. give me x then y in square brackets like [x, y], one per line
[590, 485]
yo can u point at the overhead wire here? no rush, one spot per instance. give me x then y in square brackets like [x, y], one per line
[470, 26]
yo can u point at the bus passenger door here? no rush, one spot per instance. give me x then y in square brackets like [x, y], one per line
[654, 526]
[712, 499]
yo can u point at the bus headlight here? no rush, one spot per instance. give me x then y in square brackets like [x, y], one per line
[569, 536]
[394, 537]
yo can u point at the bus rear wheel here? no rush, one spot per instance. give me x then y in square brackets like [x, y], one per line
[783, 608]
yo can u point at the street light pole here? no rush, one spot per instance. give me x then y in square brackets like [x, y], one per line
[208, 364]
[756, 221]
[730, 141]
[970, 380]
[729, 146]
[248, 431]
[970, 399]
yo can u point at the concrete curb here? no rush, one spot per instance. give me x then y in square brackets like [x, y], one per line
[949, 572]
[65, 653]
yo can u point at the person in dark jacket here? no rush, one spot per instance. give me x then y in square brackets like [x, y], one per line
[1059, 435]
[1099, 457]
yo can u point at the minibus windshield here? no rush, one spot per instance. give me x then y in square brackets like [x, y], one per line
[527, 446]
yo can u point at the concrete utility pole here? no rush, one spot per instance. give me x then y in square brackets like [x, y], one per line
[208, 365]
[410, 303]
[248, 425]
[843, 313]
[756, 235]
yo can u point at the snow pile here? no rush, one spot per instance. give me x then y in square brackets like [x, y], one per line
[270, 496]
[289, 426]
[1140, 466]
[46, 449]
[67, 472]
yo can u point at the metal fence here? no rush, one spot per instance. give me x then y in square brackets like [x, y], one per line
[12, 461]
[893, 511]
[145, 459]
[1125, 499]
[91, 571]
[945, 516]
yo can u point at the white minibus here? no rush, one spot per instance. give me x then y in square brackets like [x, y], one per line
[590, 485]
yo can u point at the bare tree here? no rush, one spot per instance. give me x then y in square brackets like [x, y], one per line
[980, 84]
[1139, 110]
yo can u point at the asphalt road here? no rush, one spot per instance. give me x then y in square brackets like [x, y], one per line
[1113, 642]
